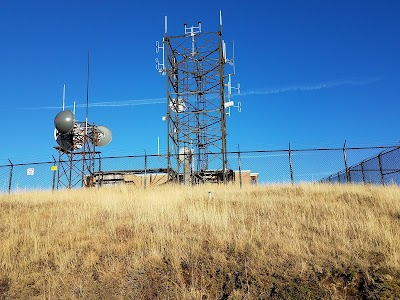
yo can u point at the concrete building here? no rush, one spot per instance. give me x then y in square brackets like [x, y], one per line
[140, 178]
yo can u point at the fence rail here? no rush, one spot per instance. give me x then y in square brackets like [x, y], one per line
[376, 165]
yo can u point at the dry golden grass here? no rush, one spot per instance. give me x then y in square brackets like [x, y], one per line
[175, 242]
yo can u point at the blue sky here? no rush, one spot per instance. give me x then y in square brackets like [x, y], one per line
[313, 73]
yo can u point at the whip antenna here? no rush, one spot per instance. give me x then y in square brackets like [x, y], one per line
[87, 87]
[63, 102]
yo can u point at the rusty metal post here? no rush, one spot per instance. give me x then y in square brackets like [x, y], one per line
[145, 169]
[291, 166]
[345, 164]
[11, 175]
[54, 175]
[380, 169]
[100, 175]
[362, 171]
[99, 162]
[240, 168]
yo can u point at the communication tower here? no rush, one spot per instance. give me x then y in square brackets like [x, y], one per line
[77, 142]
[198, 102]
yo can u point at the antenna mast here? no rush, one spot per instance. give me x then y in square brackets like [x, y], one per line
[197, 104]
[63, 103]
[87, 88]
[77, 142]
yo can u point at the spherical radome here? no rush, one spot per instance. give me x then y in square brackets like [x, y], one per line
[64, 121]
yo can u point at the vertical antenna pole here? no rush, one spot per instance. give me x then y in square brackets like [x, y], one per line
[233, 59]
[85, 138]
[74, 107]
[165, 24]
[222, 100]
[63, 103]
[87, 89]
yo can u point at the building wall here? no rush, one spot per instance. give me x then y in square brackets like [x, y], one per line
[247, 177]
[154, 179]
[149, 179]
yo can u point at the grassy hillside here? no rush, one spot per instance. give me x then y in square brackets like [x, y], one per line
[180, 242]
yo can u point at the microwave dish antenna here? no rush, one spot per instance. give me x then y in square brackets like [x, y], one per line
[100, 136]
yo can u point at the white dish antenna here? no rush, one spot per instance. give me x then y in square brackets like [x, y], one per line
[100, 136]
[178, 105]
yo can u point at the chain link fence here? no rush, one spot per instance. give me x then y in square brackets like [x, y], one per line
[376, 165]
[383, 168]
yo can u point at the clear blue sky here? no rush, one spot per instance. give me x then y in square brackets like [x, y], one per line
[312, 72]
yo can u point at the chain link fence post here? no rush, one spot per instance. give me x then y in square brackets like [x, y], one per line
[380, 169]
[145, 169]
[240, 168]
[362, 172]
[291, 166]
[100, 174]
[54, 175]
[11, 175]
[345, 163]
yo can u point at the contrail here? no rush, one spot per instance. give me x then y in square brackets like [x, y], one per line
[315, 87]
[127, 102]
[111, 103]
[151, 101]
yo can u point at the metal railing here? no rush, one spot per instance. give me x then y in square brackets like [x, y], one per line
[377, 165]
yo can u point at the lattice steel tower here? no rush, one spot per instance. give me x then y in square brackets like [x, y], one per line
[77, 142]
[194, 66]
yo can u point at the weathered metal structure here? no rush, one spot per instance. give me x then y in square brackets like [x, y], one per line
[77, 142]
[76, 156]
[197, 103]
